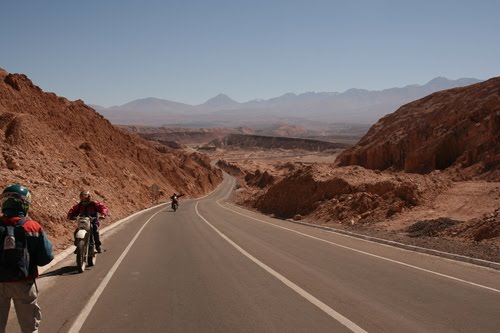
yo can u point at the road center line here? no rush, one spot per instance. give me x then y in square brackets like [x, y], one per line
[80, 320]
[363, 252]
[322, 306]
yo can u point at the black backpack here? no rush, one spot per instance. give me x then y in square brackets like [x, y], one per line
[14, 255]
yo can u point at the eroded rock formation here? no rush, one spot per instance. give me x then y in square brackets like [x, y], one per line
[457, 128]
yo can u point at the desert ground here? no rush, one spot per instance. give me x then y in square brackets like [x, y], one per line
[459, 217]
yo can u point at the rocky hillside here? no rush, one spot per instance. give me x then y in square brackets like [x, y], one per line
[457, 128]
[428, 174]
[56, 147]
[431, 210]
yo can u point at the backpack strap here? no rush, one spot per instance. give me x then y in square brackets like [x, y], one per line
[31, 269]
[23, 220]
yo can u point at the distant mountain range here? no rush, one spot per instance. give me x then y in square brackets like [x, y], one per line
[358, 106]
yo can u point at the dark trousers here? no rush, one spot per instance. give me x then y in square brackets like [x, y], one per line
[97, 237]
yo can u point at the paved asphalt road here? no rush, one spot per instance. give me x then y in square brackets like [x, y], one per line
[214, 267]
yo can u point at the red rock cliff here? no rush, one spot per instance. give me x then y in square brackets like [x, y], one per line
[453, 128]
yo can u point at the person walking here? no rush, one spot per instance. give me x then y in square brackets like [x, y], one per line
[23, 247]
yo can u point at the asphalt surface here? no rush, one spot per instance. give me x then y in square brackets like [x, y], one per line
[214, 267]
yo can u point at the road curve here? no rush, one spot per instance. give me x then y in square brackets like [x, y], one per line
[214, 267]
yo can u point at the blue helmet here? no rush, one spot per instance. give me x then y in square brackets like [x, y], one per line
[15, 200]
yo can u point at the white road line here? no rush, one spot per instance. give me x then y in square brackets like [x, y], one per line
[77, 325]
[322, 306]
[363, 252]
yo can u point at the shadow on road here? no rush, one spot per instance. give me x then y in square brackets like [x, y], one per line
[66, 270]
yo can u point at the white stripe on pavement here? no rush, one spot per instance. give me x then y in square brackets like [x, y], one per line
[77, 325]
[364, 252]
[322, 306]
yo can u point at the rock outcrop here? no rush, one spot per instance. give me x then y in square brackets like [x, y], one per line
[457, 128]
[349, 194]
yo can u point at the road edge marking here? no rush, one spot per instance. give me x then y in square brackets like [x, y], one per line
[319, 304]
[364, 252]
[82, 317]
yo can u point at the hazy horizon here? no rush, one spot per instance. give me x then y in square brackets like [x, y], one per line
[273, 97]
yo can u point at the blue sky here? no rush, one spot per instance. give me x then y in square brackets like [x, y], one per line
[112, 52]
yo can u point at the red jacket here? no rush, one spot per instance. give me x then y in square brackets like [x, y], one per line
[91, 209]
